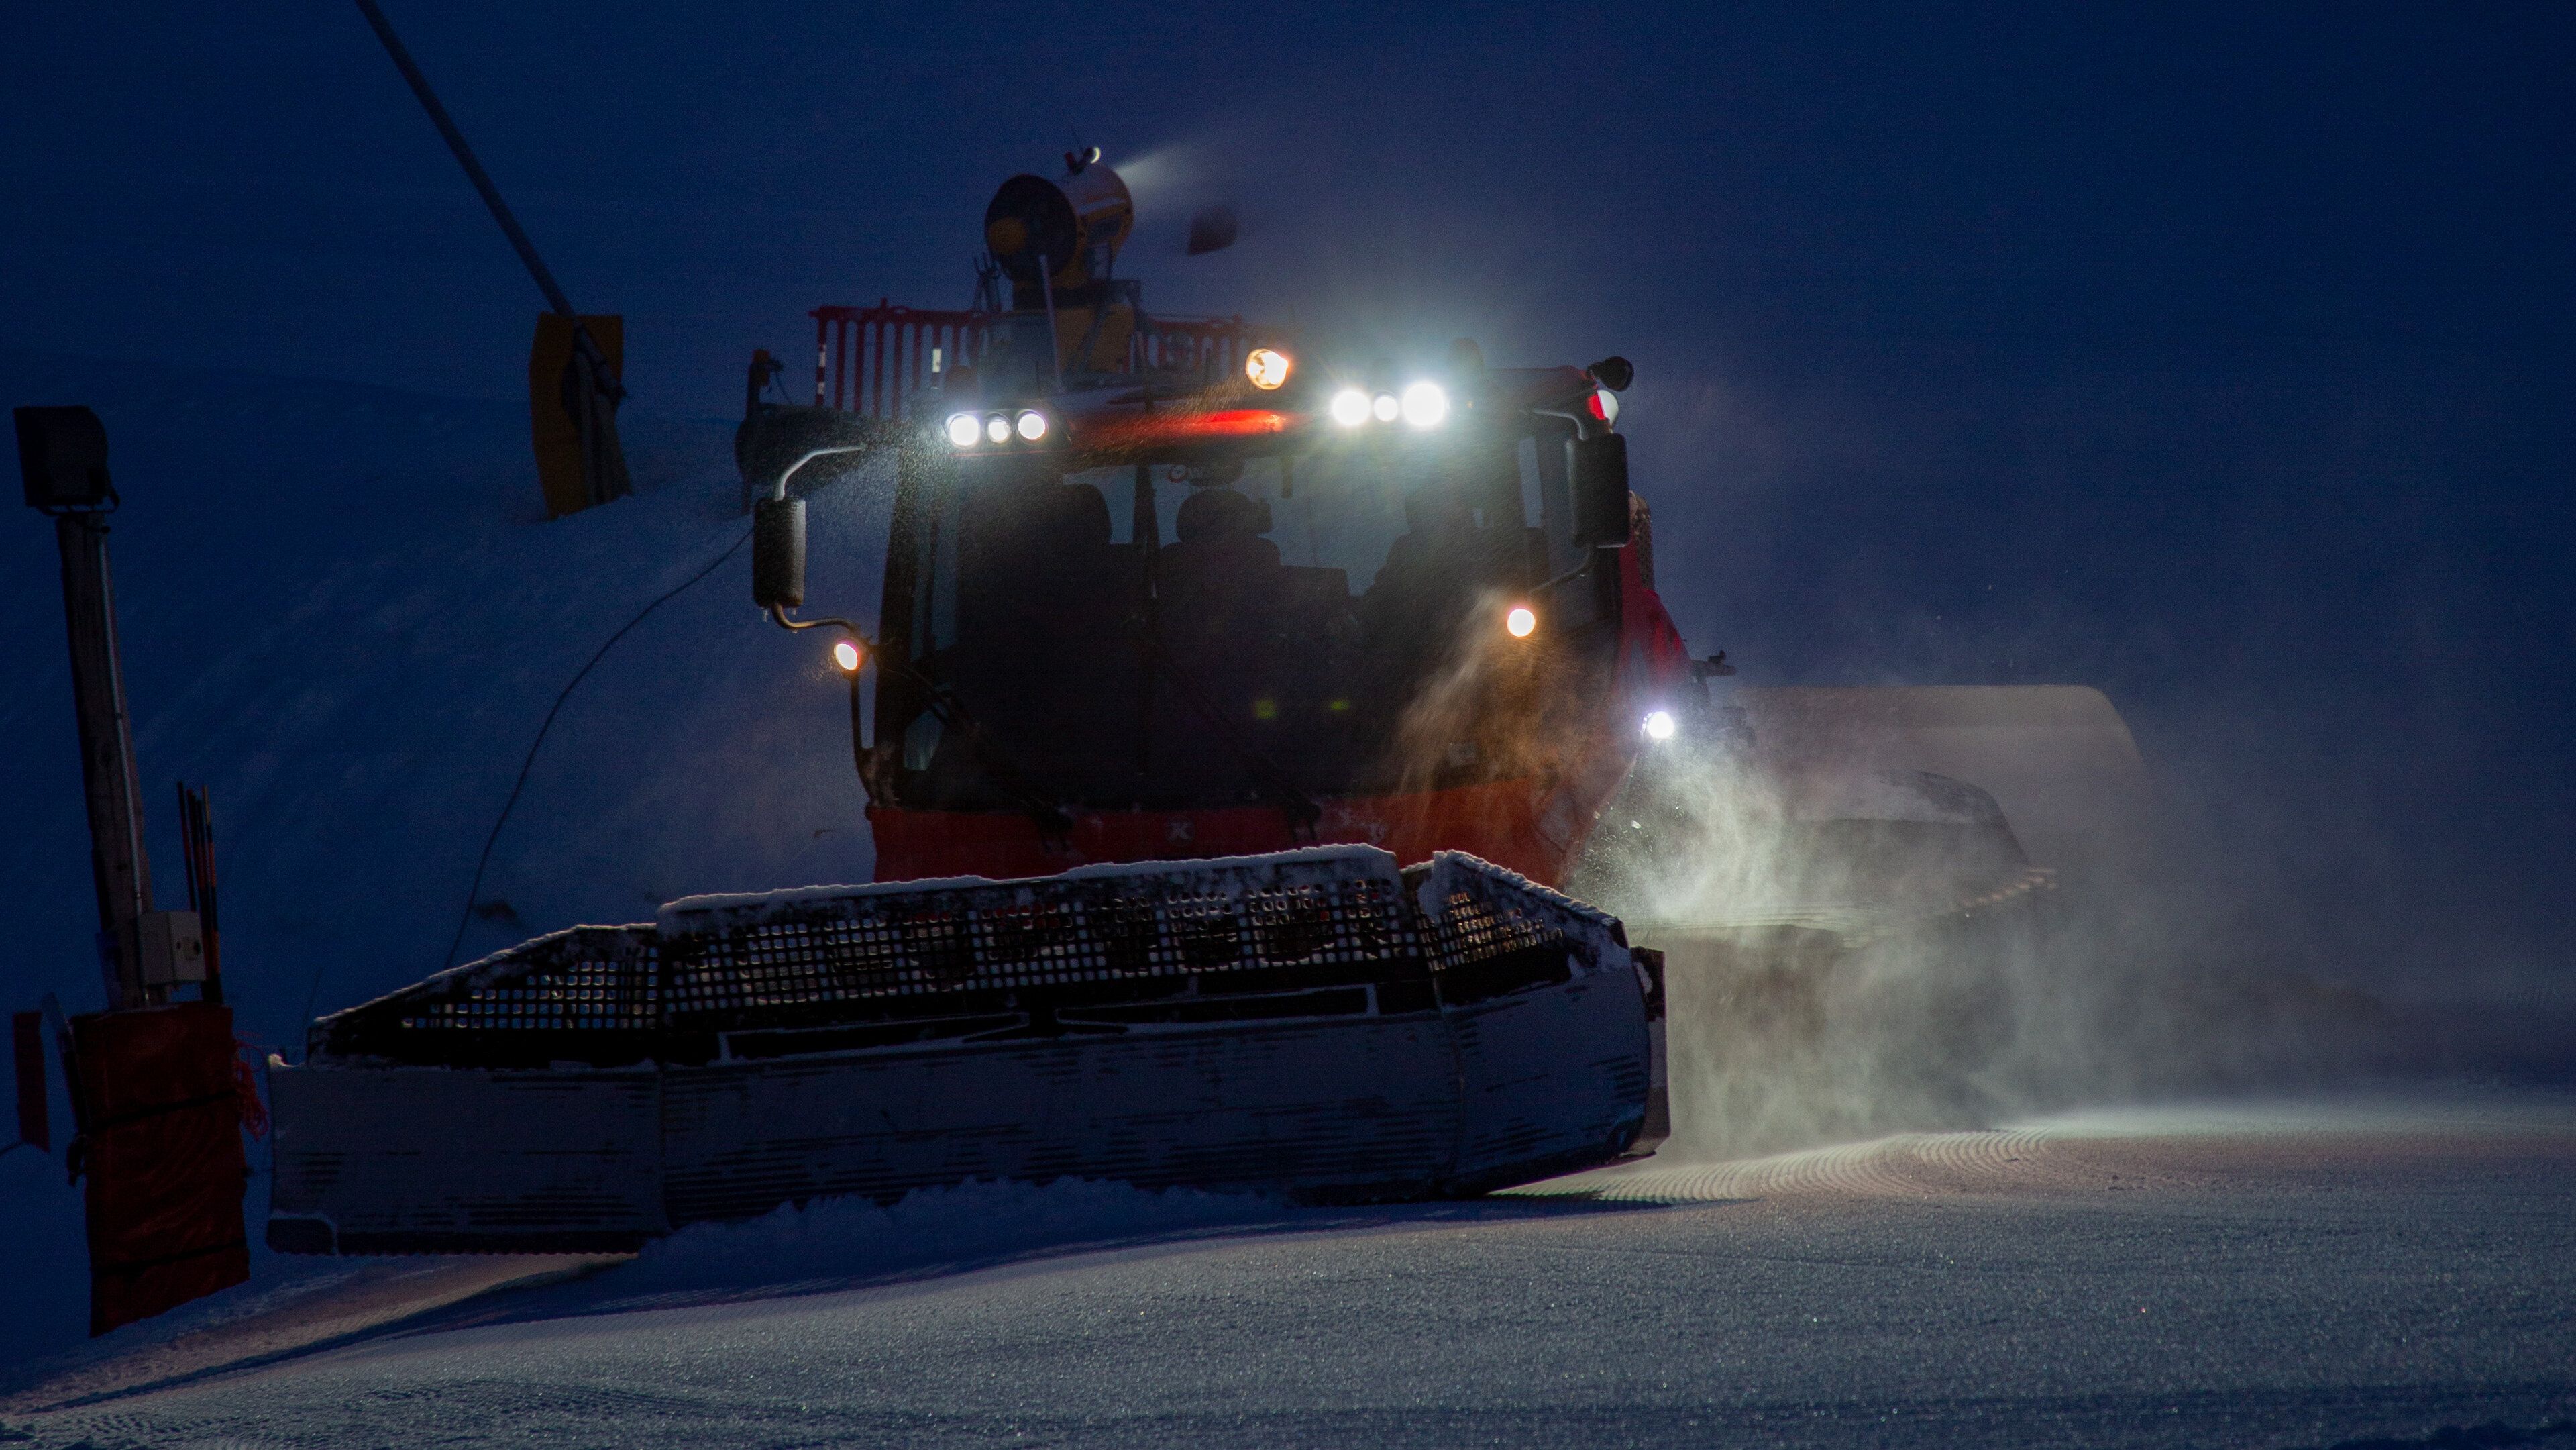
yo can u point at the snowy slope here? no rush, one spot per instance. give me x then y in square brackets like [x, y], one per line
[344, 614]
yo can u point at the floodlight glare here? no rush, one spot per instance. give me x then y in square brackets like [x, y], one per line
[1350, 407]
[1033, 425]
[1425, 405]
[845, 653]
[1659, 725]
[1267, 367]
[1522, 621]
[998, 428]
[963, 429]
[1385, 407]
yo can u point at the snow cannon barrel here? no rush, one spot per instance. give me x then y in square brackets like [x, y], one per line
[1060, 236]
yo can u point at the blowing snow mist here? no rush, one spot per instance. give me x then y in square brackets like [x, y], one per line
[1857, 946]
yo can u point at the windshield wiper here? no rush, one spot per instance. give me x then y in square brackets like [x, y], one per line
[1055, 825]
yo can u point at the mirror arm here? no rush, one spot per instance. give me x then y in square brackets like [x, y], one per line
[1577, 572]
[1585, 425]
[779, 488]
[778, 616]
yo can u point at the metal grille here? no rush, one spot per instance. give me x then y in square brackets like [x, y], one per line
[585, 980]
[752, 956]
[1210, 347]
[874, 360]
[865, 953]
[1474, 912]
[1470, 931]
[588, 978]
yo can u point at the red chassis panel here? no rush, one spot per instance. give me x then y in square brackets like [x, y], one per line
[1535, 828]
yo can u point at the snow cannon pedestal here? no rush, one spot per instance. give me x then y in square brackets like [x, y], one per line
[161, 1120]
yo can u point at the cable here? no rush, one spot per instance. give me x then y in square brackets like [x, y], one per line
[466, 916]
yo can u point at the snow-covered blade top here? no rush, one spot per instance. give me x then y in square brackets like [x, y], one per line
[939, 957]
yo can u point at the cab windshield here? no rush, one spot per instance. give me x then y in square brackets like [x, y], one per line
[1161, 637]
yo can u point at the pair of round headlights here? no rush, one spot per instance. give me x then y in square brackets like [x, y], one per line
[965, 430]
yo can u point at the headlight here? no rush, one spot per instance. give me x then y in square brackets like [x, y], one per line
[1033, 425]
[998, 428]
[1659, 725]
[1267, 367]
[1522, 622]
[1350, 407]
[1425, 404]
[1385, 407]
[964, 429]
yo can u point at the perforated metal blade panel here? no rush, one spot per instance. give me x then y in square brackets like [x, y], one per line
[846, 953]
[735, 961]
[569, 992]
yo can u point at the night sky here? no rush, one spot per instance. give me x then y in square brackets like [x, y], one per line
[2215, 355]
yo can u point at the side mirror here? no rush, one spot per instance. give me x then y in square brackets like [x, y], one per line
[778, 553]
[1600, 492]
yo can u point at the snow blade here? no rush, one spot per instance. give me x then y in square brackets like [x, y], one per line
[1315, 1023]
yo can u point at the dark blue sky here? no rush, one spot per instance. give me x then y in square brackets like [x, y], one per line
[2219, 355]
[195, 184]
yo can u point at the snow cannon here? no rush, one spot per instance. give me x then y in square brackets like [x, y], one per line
[1057, 241]
[1057, 236]
[1319, 1024]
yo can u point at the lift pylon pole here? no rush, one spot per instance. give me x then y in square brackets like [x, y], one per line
[62, 458]
[118, 866]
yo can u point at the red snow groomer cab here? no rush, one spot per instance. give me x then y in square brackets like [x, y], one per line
[1160, 589]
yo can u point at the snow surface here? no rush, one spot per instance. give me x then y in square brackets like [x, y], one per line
[2286, 1273]
[296, 1304]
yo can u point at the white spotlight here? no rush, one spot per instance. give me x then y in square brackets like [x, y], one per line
[998, 428]
[1659, 725]
[963, 429]
[1033, 425]
[1350, 407]
[1385, 407]
[1425, 405]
